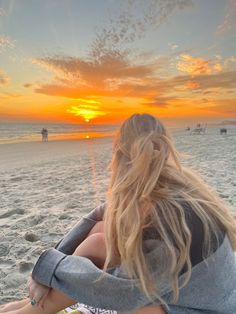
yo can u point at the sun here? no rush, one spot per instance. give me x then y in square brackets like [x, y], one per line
[87, 112]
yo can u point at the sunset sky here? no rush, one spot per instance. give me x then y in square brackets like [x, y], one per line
[98, 61]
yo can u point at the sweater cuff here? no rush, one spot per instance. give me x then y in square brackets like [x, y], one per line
[46, 266]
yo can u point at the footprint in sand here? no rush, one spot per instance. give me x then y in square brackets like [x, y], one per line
[31, 237]
[18, 211]
[34, 220]
[25, 266]
[64, 216]
[4, 249]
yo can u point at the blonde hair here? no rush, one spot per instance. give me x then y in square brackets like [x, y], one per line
[148, 187]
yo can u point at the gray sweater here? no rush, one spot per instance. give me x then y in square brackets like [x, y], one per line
[211, 289]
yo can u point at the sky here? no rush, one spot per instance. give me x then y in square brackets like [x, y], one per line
[99, 61]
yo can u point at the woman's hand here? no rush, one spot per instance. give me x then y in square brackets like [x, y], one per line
[37, 292]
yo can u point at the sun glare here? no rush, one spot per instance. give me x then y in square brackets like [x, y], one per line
[87, 112]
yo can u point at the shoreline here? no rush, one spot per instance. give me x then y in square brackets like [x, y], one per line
[58, 140]
[83, 137]
[96, 134]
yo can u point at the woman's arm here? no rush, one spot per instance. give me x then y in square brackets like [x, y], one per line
[79, 232]
[79, 278]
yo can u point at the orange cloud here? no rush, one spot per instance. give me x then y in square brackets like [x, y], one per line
[161, 102]
[192, 85]
[86, 72]
[9, 95]
[114, 76]
[223, 107]
[27, 85]
[195, 66]
[4, 79]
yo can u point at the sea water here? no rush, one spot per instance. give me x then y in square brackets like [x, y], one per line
[31, 132]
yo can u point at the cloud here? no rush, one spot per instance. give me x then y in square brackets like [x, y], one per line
[224, 80]
[6, 42]
[192, 85]
[28, 85]
[107, 70]
[2, 12]
[111, 70]
[173, 46]
[223, 107]
[192, 65]
[86, 72]
[4, 79]
[112, 74]
[135, 19]
[160, 102]
[230, 62]
[229, 22]
[9, 95]
[88, 101]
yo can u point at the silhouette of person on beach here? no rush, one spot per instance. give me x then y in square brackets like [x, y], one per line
[44, 133]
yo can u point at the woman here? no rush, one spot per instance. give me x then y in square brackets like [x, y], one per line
[166, 241]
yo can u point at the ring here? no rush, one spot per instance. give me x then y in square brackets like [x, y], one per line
[33, 302]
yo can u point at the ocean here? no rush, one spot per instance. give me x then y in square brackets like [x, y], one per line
[31, 132]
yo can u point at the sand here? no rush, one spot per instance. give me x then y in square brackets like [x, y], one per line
[46, 187]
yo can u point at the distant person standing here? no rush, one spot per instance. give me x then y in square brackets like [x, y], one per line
[44, 133]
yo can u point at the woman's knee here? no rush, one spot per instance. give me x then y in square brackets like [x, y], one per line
[93, 243]
[94, 248]
[96, 240]
[98, 228]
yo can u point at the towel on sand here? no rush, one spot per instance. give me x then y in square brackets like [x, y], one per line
[80, 308]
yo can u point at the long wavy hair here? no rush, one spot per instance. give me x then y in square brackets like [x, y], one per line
[147, 188]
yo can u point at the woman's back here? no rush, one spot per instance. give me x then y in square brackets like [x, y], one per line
[150, 188]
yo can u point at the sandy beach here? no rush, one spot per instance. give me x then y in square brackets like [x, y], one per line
[46, 187]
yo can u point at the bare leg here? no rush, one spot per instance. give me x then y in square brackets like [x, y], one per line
[13, 305]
